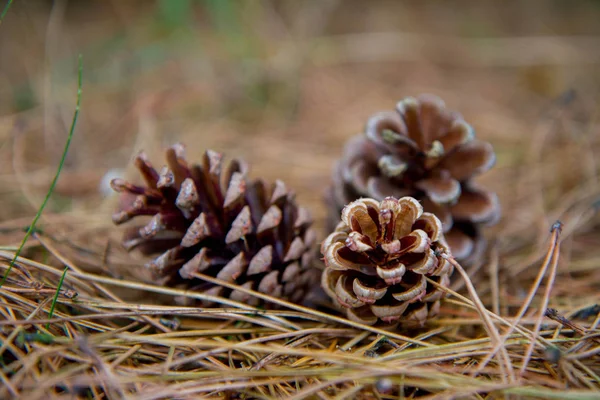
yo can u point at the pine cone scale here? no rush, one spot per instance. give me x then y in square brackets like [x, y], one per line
[440, 190]
[148, 173]
[462, 245]
[472, 158]
[477, 206]
[408, 109]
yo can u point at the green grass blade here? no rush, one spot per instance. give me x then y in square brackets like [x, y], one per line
[5, 10]
[31, 228]
[55, 299]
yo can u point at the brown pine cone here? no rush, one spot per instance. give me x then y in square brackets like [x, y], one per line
[378, 258]
[425, 151]
[210, 218]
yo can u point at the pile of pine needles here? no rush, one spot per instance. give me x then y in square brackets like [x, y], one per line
[523, 323]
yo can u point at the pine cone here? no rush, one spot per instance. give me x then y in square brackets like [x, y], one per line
[425, 151]
[378, 258]
[216, 222]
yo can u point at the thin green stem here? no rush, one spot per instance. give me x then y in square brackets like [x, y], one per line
[5, 10]
[55, 299]
[31, 228]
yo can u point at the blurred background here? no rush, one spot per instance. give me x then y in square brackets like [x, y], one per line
[283, 84]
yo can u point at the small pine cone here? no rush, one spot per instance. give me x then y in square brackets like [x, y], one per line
[377, 260]
[209, 218]
[425, 151]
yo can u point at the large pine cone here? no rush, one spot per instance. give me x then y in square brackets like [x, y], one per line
[218, 223]
[378, 258]
[425, 151]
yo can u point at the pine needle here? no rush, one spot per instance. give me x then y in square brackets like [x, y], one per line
[55, 299]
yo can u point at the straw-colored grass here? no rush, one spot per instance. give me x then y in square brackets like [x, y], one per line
[525, 323]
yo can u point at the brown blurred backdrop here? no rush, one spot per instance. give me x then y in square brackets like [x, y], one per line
[280, 83]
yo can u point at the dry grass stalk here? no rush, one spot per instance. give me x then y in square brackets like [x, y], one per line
[98, 344]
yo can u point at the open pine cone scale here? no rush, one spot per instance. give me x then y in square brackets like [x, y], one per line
[208, 218]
